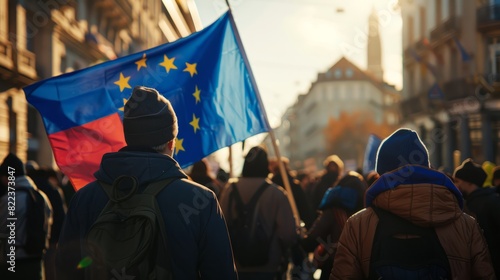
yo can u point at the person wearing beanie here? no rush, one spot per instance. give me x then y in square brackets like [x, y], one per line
[196, 233]
[409, 189]
[274, 218]
[19, 189]
[481, 203]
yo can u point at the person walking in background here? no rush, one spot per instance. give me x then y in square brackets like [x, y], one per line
[413, 206]
[483, 203]
[259, 219]
[200, 173]
[338, 204]
[41, 178]
[334, 169]
[495, 181]
[197, 242]
[305, 212]
[32, 224]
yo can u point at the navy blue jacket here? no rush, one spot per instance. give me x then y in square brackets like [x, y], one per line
[197, 236]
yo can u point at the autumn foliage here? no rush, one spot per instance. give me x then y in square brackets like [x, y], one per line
[348, 135]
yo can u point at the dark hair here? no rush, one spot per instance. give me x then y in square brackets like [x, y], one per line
[256, 163]
[354, 181]
[199, 173]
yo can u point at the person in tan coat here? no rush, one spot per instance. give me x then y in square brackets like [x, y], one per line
[409, 189]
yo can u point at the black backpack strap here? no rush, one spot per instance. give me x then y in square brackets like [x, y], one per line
[155, 187]
[255, 197]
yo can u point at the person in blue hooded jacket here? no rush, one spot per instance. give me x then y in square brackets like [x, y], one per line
[196, 234]
[410, 192]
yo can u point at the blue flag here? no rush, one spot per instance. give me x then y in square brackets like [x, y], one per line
[435, 92]
[206, 77]
[371, 153]
[463, 53]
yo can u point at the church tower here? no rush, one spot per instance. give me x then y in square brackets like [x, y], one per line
[374, 47]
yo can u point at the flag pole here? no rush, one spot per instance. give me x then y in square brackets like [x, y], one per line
[283, 172]
[230, 159]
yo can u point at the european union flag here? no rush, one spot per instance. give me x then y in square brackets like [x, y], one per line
[206, 76]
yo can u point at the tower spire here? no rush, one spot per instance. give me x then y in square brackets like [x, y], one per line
[374, 47]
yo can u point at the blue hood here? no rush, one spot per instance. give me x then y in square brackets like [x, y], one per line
[411, 174]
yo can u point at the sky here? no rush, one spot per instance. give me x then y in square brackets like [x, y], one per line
[288, 42]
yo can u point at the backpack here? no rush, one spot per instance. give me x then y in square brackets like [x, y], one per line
[36, 223]
[421, 257]
[128, 239]
[248, 237]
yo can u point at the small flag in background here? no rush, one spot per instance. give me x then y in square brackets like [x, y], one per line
[371, 153]
[463, 53]
[205, 76]
[435, 92]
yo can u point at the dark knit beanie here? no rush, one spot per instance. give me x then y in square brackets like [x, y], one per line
[470, 172]
[149, 119]
[401, 148]
[11, 160]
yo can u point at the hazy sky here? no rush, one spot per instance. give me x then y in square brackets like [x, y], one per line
[288, 42]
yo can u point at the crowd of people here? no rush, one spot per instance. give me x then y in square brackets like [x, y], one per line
[403, 220]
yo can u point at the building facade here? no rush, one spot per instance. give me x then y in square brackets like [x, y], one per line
[41, 39]
[451, 74]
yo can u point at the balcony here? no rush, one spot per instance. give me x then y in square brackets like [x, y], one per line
[488, 19]
[118, 11]
[445, 31]
[417, 48]
[412, 106]
[26, 63]
[458, 89]
[6, 54]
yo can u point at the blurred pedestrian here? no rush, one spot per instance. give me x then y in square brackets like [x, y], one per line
[200, 173]
[338, 204]
[483, 203]
[272, 218]
[40, 177]
[495, 181]
[408, 202]
[29, 223]
[334, 169]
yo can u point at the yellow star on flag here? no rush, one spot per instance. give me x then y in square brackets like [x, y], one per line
[168, 63]
[178, 145]
[195, 123]
[123, 82]
[191, 68]
[141, 62]
[196, 94]
[124, 101]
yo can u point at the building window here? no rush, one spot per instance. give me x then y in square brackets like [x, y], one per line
[438, 12]
[12, 126]
[349, 72]
[452, 6]
[423, 19]
[454, 64]
[411, 37]
[338, 73]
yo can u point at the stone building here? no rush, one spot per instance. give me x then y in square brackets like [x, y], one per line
[45, 38]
